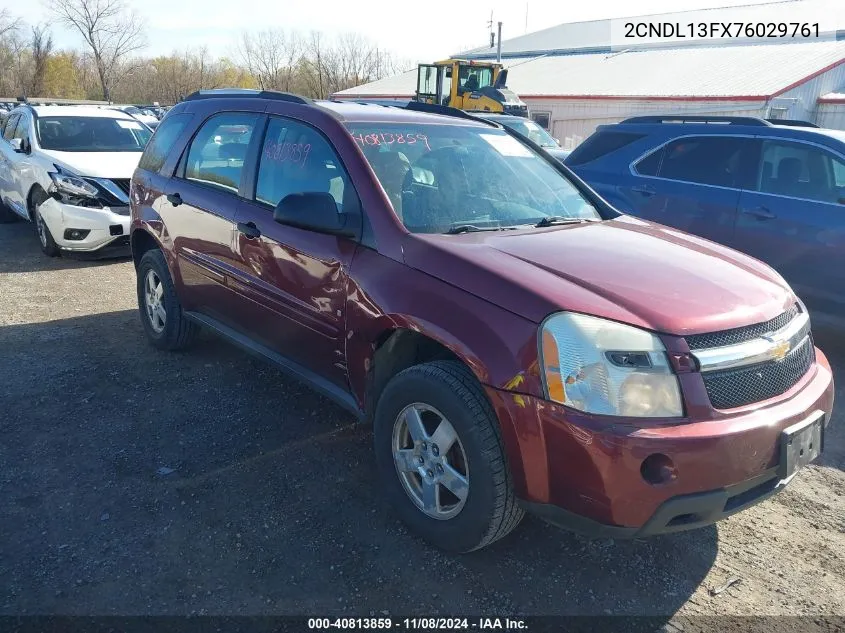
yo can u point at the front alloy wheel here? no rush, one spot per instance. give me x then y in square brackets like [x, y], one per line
[431, 461]
[434, 426]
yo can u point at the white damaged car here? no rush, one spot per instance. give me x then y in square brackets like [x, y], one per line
[67, 169]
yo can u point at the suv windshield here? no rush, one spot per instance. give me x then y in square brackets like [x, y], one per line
[439, 177]
[91, 134]
[529, 128]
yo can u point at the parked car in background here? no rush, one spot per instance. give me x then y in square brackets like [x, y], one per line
[67, 169]
[530, 129]
[147, 118]
[517, 343]
[774, 191]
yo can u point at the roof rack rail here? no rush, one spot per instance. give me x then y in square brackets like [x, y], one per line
[792, 122]
[246, 92]
[56, 101]
[447, 111]
[681, 118]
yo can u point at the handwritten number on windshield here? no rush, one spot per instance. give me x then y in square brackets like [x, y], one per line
[389, 138]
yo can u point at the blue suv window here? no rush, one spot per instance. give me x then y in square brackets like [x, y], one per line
[799, 170]
[706, 160]
[601, 144]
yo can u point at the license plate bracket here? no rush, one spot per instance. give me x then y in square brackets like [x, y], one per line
[800, 444]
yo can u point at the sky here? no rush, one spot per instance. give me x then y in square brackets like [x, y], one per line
[414, 32]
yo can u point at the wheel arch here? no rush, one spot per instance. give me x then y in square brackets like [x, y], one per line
[30, 197]
[142, 241]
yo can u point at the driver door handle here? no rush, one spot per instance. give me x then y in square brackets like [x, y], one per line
[761, 213]
[174, 198]
[249, 230]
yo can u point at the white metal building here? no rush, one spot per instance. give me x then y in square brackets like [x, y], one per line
[573, 80]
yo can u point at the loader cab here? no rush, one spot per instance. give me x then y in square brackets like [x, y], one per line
[467, 85]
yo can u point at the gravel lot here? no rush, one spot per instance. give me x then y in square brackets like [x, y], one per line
[139, 482]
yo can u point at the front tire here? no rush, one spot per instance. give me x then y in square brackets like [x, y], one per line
[45, 238]
[440, 456]
[164, 321]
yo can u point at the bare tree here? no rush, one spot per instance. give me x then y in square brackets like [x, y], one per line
[110, 29]
[41, 46]
[271, 57]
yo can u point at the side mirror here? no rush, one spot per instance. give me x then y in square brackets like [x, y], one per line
[313, 211]
[19, 145]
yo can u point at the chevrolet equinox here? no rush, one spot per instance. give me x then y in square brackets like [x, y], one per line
[517, 343]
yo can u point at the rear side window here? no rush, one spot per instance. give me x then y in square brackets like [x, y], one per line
[295, 158]
[162, 141]
[706, 160]
[601, 144]
[218, 152]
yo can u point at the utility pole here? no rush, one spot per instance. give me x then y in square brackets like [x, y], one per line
[499, 43]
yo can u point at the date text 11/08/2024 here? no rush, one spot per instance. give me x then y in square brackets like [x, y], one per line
[419, 624]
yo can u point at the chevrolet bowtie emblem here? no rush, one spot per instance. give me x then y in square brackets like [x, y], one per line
[780, 350]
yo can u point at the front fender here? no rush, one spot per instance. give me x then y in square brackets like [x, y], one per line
[498, 346]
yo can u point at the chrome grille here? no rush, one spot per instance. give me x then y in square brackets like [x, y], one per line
[738, 387]
[741, 334]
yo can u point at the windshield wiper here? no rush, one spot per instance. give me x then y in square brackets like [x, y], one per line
[559, 219]
[471, 228]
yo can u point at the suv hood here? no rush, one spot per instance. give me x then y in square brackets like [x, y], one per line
[624, 269]
[96, 164]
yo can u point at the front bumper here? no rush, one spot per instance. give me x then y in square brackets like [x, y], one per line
[584, 472]
[107, 228]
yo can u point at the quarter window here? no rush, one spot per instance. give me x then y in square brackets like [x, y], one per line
[218, 152]
[599, 145]
[801, 171]
[295, 158]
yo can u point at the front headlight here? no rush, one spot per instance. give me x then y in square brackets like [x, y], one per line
[72, 185]
[608, 368]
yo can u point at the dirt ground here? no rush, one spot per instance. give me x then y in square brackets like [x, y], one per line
[139, 482]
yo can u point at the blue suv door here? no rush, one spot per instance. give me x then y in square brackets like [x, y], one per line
[792, 216]
[692, 183]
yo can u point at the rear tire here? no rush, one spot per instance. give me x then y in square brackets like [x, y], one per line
[45, 238]
[164, 321]
[436, 392]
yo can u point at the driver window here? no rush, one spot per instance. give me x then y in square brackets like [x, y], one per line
[295, 158]
[11, 125]
[21, 131]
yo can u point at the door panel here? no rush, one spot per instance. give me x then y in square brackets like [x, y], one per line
[794, 222]
[295, 278]
[20, 168]
[692, 184]
[201, 224]
[199, 210]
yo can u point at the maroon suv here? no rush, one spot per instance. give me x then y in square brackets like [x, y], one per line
[517, 343]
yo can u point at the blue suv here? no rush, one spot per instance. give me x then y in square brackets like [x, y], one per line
[773, 189]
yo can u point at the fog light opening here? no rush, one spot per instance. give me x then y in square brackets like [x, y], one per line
[76, 234]
[658, 469]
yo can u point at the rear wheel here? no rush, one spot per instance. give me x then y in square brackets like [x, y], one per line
[45, 238]
[164, 321]
[441, 458]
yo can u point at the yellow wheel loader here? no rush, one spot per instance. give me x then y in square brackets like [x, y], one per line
[468, 85]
